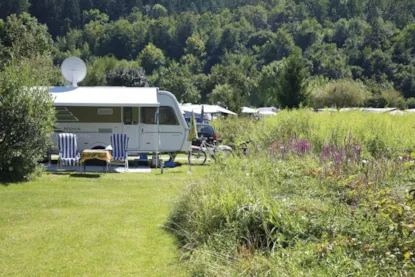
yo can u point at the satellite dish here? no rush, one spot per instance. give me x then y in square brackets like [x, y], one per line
[73, 70]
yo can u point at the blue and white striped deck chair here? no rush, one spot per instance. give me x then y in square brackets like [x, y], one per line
[119, 143]
[68, 151]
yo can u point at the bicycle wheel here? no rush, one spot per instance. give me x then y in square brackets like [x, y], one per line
[197, 158]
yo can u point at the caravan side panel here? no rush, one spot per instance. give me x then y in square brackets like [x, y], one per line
[173, 128]
[92, 125]
[168, 97]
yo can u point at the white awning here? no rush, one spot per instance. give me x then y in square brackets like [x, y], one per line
[105, 96]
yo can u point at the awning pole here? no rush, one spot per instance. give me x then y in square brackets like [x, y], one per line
[158, 139]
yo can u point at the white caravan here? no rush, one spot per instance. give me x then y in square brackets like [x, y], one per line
[94, 113]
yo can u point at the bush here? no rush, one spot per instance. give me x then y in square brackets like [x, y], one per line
[376, 101]
[340, 94]
[410, 102]
[394, 99]
[26, 122]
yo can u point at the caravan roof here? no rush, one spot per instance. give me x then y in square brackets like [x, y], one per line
[105, 96]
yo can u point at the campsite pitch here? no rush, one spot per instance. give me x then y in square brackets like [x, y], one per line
[69, 224]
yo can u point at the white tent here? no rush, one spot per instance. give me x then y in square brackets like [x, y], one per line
[197, 109]
[267, 111]
[248, 110]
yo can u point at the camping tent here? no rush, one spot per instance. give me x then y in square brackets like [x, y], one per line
[248, 110]
[208, 109]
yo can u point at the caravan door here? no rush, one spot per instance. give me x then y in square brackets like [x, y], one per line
[130, 126]
[148, 129]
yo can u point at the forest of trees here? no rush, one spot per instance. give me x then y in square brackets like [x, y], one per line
[229, 52]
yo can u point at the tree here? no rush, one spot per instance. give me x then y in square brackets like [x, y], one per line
[186, 25]
[329, 61]
[8, 7]
[308, 33]
[223, 95]
[405, 79]
[26, 121]
[158, 11]
[291, 90]
[128, 77]
[404, 48]
[195, 46]
[151, 58]
[340, 94]
[255, 15]
[180, 81]
[160, 33]
[23, 37]
[94, 15]
[394, 99]
[238, 73]
[268, 85]
[341, 32]
[118, 40]
[319, 9]
[97, 72]
[279, 47]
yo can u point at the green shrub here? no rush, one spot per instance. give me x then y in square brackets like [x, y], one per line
[26, 122]
[410, 102]
[340, 94]
[394, 99]
[376, 101]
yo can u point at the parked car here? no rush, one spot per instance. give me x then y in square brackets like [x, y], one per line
[207, 131]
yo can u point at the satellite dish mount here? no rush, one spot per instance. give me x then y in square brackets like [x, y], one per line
[73, 70]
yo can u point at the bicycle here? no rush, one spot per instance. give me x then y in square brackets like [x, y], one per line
[200, 155]
[244, 146]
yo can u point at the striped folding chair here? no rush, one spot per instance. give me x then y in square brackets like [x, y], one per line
[68, 151]
[119, 143]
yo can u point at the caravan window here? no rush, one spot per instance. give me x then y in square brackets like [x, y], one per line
[167, 116]
[148, 115]
[130, 115]
[88, 114]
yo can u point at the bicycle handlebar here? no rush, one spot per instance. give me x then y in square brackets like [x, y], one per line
[246, 142]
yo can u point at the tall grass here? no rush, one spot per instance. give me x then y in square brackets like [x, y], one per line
[323, 195]
[397, 132]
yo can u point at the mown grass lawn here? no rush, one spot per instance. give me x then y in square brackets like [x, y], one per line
[93, 225]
